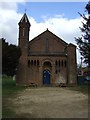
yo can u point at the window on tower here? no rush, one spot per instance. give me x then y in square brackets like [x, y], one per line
[23, 31]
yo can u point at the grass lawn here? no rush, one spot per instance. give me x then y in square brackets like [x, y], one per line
[9, 89]
[9, 86]
[81, 88]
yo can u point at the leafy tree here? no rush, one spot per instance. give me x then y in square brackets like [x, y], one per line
[83, 42]
[10, 58]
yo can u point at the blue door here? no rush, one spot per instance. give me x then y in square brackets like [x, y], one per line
[46, 77]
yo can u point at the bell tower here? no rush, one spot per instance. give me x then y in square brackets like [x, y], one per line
[24, 28]
[23, 41]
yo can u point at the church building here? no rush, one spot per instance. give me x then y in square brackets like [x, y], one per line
[46, 59]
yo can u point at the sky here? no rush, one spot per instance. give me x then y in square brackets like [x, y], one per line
[40, 9]
[61, 18]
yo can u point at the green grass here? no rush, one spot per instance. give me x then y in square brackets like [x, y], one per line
[9, 89]
[81, 88]
[9, 86]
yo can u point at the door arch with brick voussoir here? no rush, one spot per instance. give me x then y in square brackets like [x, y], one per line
[46, 77]
[47, 69]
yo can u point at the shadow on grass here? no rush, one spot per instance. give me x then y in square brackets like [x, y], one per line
[80, 88]
[9, 89]
[9, 86]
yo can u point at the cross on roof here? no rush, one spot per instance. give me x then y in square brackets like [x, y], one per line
[25, 10]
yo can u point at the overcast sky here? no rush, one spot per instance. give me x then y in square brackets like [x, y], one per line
[61, 18]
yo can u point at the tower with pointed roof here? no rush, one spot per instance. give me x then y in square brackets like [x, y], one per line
[23, 41]
[24, 27]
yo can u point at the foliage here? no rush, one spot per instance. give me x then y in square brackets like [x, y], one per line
[10, 58]
[83, 42]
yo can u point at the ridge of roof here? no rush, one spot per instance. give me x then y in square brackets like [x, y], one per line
[70, 44]
[63, 42]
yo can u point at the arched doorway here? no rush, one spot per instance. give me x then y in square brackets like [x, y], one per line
[47, 68]
[46, 77]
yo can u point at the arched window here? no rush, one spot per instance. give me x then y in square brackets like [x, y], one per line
[28, 63]
[56, 63]
[23, 31]
[31, 62]
[47, 45]
[65, 63]
[62, 63]
[37, 62]
[59, 63]
[56, 71]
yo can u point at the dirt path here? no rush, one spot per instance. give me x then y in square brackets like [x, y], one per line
[50, 102]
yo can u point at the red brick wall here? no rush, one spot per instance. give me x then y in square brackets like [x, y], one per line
[72, 65]
[39, 43]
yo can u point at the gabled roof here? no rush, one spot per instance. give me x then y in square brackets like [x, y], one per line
[55, 37]
[24, 19]
[72, 45]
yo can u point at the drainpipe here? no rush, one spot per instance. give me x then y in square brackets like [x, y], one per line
[67, 68]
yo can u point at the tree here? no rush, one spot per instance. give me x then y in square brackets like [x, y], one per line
[10, 58]
[83, 42]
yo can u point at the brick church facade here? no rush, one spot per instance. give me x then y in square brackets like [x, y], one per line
[46, 59]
